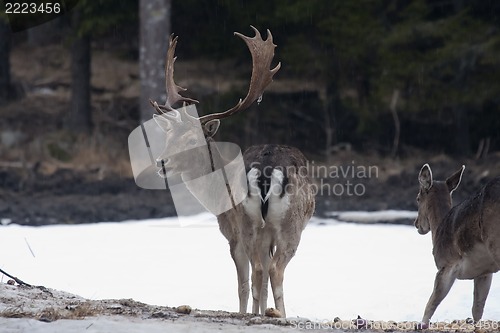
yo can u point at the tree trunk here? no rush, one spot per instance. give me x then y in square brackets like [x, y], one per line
[331, 107]
[80, 114]
[5, 84]
[154, 20]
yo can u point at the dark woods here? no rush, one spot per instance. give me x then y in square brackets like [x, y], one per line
[389, 75]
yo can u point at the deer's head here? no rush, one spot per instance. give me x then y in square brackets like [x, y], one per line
[190, 133]
[434, 198]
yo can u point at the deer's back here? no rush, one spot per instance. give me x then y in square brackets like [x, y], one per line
[297, 194]
[476, 220]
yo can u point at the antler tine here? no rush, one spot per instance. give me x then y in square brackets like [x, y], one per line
[262, 52]
[172, 89]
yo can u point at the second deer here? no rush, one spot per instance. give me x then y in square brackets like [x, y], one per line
[466, 237]
[264, 230]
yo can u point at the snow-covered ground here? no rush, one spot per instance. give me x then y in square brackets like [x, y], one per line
[382, 272]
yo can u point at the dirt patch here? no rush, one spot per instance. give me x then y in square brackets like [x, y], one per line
[70, 197]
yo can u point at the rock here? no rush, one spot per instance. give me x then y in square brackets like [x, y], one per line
[164, 315]
[273, 313]
[255, 321]
[183, 309]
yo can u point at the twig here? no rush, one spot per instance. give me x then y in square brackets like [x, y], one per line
[480, 149]
[397, 125]
[29, 247]
[18, 281]
[483, 148]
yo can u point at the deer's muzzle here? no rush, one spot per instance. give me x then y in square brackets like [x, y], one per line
[421, 229]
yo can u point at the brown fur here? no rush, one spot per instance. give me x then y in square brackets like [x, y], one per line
[262, 233]
[269, 249]
[466, 238]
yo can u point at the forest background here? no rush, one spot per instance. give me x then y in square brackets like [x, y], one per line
[391, 83]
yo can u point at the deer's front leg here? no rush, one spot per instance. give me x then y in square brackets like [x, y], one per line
[445, 278]
[481, 288]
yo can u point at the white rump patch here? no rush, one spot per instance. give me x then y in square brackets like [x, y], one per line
[253, 184]
[278, 203]
[276, 184]
[253, 202]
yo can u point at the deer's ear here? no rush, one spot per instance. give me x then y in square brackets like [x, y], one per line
[425, 177]
[162, 122]
[211, 127]
[454, 180]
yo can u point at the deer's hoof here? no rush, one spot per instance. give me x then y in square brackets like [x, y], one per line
[422, 326]
[360, 322]
[273, 313]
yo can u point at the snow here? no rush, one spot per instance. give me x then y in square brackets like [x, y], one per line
[372, 217]
[116, 324]
[382, 272]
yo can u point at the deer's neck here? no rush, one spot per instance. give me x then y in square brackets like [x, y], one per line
[212, 152]
[437, 216]
[201, 163]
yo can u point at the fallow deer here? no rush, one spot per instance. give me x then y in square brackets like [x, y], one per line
[264, 230]
[465, 238]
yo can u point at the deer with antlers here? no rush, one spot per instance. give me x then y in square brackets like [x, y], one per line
[264, 230]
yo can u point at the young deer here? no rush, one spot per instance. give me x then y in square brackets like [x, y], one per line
[466, 237]
[264, 230]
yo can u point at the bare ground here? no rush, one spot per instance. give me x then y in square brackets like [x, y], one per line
[39, 307]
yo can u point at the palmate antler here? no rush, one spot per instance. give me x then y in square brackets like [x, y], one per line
[171, 87]
[262, 52]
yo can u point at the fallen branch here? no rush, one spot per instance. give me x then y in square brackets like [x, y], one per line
[18, 281]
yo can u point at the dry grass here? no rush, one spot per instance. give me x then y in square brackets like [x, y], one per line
[51, 313]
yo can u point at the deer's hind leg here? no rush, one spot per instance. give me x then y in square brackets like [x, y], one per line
[257, 279]
[251, 244]
[481, 289]
[241, 262]
[284, 253]
[265, 255]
